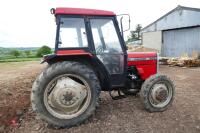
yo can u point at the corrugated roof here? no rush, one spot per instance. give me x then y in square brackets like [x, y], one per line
[179, 7]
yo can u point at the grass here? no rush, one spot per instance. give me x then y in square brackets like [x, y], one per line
[7, 66]
[19, 59]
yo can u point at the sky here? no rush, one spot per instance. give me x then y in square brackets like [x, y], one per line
[28, 23]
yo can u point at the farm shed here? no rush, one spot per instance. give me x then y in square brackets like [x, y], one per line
[174, 34]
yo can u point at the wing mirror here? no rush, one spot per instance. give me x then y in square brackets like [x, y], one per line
[122, 18]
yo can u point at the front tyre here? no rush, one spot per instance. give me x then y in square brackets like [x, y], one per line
[157, 93]
[65, 94]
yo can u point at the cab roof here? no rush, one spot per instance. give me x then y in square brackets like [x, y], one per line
[82, 11]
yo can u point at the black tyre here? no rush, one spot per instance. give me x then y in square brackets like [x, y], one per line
[157, 93]
[65, 94]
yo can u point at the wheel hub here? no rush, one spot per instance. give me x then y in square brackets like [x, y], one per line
[67, 96]
[159, 93]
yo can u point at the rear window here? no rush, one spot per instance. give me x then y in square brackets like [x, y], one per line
[72, 33]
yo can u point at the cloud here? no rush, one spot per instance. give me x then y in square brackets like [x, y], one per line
[29, 22]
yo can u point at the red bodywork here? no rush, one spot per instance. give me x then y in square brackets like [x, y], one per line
[73, 52]
[82, 11]
[145, 62]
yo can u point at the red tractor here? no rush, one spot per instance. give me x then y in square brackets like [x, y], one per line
[90, 57]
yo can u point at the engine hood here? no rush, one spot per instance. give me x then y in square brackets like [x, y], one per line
[145, 62]
[141, 54]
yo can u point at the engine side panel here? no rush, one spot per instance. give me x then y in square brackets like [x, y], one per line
[146, 63]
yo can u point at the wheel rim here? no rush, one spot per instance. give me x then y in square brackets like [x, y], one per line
[67, 96]
[160, 95]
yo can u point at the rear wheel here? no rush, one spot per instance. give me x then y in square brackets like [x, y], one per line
[157, 93]
[65, 94]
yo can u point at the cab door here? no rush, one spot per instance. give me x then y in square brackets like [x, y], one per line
[109, 49]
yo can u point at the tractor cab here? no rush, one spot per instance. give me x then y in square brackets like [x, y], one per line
[94, 36]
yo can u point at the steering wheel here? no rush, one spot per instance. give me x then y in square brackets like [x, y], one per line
[99, 49]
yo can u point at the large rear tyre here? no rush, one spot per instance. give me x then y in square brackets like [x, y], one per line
[65, 94]
[157, 93]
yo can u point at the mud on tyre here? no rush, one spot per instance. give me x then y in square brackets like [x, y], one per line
[65, 94]
[157, 93]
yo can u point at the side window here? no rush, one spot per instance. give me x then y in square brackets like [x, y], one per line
[107, 45]
[97, 38]
[105, 36]
[72, 33]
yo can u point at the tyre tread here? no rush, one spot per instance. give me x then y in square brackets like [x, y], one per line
[146, 88]
[36, 89]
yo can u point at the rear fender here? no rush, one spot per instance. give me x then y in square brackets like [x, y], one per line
[48, 58]
[64, 54]
[88, 60]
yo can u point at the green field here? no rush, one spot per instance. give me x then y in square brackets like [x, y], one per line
[23, 54]
[19, 59]
[10, 66]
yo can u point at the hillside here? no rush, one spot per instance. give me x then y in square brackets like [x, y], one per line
[5, 53]
[18, 48]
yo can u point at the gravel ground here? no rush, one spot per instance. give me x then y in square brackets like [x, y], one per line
[128, 115]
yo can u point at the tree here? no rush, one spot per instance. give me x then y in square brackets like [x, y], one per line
[43, 51]
[27, 52]
[135, 34]
[15, 53]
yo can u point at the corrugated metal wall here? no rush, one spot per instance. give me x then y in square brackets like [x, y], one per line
[181, 41]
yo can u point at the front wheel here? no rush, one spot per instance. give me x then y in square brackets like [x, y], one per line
[65, 94]
[157, 93]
